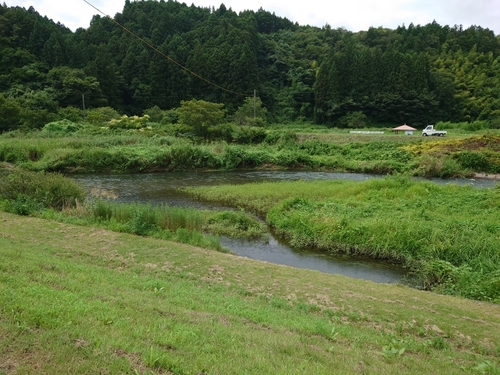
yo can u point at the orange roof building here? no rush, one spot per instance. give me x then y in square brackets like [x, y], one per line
[407, 129]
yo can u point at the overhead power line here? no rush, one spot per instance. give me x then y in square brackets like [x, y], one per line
[163, 54]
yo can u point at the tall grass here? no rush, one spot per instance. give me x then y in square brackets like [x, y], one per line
[26, 191]
[160, 216]
[280, 149]
[146, 219]
[447, 234]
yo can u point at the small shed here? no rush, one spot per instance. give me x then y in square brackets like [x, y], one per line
[407, 129]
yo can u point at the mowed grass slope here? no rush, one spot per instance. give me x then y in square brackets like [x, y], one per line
[84, 300]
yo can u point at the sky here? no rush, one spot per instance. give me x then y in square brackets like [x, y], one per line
[353, 15]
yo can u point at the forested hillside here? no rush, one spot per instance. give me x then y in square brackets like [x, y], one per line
[414, 74]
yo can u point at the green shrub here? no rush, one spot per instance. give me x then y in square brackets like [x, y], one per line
[62, 127]
[35, 118]
[234, 224]
[187, 156]
[473, 160]
[282, 138]
[126, 122]
[10, 113]
[101, 115]
[171, 116]
[22, 205]
[249, 135]
[178, 130]
[223, 132]
[251, 112]
[156, 114]
[476, 125]
[354, 120]
[44, 190]
[70, 113]
[438, 166]
[201, 116]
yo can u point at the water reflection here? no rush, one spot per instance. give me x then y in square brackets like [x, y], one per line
[279, 253]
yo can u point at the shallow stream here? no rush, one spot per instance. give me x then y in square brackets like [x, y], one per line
[159, 188]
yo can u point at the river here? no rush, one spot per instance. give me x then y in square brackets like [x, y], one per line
[163, 188]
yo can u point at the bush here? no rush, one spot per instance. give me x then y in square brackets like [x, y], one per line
[178, 130]
[354, 120]
[473, 160]
[251, 113]
[201, 116]
[495, 123]
[156, 114]
[27, 189]
[282, 138]
[62, 126]
[170, 117]
[9, 114]
[101, 115]
[223, 132]
[234, 224]
[249, 135]
[70, 113]
[476, 125]
[22, 205]
[125, 122]
[36, 118]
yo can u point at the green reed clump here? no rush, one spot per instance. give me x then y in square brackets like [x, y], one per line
[442, 166]
[146, 219]
[234, 224]
[281, 137]
[178, 224]
[238, 156]
[148, 216]
[473, 160]
[189, 156]
[26, 191]
[248, 135]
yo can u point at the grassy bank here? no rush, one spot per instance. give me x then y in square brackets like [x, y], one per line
[447, 234]
[284, 149]
[85, 300]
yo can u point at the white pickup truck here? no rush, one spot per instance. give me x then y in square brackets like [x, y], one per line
[429, 130]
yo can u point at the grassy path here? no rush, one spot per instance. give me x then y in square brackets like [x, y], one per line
[83, 300]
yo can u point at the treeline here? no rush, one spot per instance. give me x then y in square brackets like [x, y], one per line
[415, 74]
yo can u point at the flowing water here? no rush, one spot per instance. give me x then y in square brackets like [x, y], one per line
[159, 188]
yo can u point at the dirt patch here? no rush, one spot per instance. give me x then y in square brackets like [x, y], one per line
[9, 366]
[486, 176]
[138, 365]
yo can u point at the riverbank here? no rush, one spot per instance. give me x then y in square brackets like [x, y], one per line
[487, 176]
[92, 300]
[125, 152]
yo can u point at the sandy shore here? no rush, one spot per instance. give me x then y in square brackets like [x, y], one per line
[487, 176]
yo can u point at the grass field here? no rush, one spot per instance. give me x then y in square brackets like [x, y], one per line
[83, 300]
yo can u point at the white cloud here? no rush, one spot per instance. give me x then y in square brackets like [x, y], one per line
[353, 15]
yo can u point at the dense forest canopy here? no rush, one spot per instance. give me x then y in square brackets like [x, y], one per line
[414, 74]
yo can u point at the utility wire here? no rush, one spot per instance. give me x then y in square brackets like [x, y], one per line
[164, 55]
